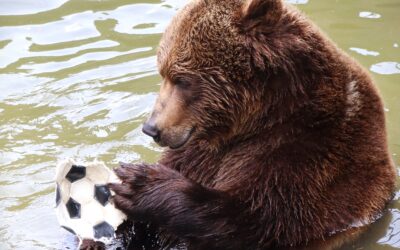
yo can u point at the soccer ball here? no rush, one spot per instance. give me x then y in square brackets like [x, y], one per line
[83, 205]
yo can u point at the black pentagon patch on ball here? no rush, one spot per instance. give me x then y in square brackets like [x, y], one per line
[76, 173]
[103, 230]
[74, 209]
[102, 194]
[58, 195]
[69, 229]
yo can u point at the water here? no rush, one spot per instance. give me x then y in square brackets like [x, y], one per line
[77, 78]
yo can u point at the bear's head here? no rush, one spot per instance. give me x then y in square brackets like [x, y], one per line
[214, 63]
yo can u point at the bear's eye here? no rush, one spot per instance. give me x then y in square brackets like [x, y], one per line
[182, 83]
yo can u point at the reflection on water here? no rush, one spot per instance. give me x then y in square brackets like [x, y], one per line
[23, 7]
[367, 14]
[392, 236]
[79, 76]
[386, 68]
[364, 52]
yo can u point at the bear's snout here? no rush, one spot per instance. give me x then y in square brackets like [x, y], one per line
[151, 130]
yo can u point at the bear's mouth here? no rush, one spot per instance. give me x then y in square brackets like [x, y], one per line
[177, 142]
[184, 141]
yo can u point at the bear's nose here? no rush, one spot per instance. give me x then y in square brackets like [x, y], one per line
[151, 130]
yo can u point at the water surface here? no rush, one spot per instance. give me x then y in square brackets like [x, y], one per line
[78, 77]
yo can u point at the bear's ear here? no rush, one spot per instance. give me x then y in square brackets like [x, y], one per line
[267, 12]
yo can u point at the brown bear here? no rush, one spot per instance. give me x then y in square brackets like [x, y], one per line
[276, 138]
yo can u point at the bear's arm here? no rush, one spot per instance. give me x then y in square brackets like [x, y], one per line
[192, 212]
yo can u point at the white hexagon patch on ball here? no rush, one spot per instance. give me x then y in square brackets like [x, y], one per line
[83, 204]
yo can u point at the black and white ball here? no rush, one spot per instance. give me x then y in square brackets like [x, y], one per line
[83, 204]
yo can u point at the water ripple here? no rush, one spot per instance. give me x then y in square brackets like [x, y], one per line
[23, 7]
[386, 68]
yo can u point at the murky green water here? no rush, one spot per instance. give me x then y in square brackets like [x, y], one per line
[77, 78]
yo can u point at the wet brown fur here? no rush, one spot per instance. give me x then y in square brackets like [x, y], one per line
[289, 144]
